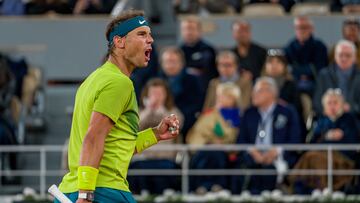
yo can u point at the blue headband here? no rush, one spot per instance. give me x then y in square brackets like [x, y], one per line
[127, 26]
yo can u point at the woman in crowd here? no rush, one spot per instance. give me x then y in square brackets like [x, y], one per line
[334, 127]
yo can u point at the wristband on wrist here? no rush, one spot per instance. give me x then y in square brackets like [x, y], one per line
[87, 176]
[145, 139]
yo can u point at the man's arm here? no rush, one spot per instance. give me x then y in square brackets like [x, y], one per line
[93, 144]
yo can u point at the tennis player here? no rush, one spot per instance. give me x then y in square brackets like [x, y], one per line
[104, 132]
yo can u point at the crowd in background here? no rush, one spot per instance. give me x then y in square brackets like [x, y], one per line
[304, 92]
[202, 7]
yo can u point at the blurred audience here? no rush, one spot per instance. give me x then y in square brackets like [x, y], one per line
[206, 7]
[263, 125]
[12, 7]
[184, 87]
[276, 67]
[228, 72]
[8, 161]
[351, 32]
[345, 6]
[216, 126]
[34, 7]
[343, 74]
[156, 103]
[334, 127]
[251, 55]
[306, 54]
[286, 4]
[92, 6]
[199, 55]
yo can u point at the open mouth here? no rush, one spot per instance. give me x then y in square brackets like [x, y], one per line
[147, 54]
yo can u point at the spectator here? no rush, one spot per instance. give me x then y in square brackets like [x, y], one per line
[156, 102]
[276, 67]
[345, 6]
[7, 124]
[217, 126]
[286, 4]
[35, 7]
[343, 74]
[350, 31]
[92, 6]
[227, 68]
[184, 87]
[199, 55]
[263, 125]
[306, 54]
[251, 55]
[334, 127]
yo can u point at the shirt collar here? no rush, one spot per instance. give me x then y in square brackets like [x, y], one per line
[268, 111]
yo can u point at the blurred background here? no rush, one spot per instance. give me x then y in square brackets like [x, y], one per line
[267, 92]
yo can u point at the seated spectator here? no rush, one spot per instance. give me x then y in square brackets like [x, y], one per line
[306, 54]
[7, 94]
[217, 126]
[35, 7]
[351, 32]
[286, 4]
[334, 127]
[263, 125]
[7, 121]
[345, 6]
[343, 74]
[276, 67]
[92, 6]
[251, 55]
[199, 55]
[184, 87]
[156, 102]
[228, 71]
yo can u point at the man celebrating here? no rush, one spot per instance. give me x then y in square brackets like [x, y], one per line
[104, 133]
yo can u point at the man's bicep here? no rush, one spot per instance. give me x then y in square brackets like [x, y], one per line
[100, 124]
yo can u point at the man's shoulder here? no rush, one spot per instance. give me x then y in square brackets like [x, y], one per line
[105, 77]
[206, 45]
[317, 41]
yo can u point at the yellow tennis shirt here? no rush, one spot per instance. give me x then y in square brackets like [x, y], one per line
[110, 92]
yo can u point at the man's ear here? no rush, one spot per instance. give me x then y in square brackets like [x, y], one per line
[119, 42]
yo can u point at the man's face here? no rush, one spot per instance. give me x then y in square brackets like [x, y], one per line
[262, 94]
[171, 63]
[226, 66]
[190, 32]
[138, 46]
[344, 57]
[241, 33]
[303, 29]
[351, 32]
[274, 67]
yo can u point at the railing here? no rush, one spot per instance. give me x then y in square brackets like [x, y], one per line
[185, 171]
